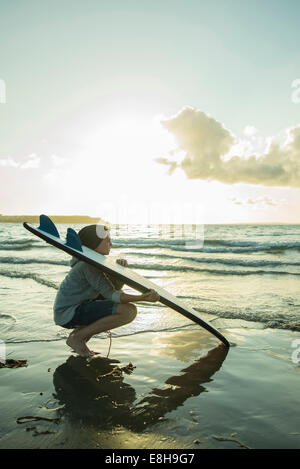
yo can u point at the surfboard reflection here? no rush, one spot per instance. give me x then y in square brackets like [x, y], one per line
[96, 392]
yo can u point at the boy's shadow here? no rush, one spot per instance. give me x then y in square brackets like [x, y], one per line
[95, 392]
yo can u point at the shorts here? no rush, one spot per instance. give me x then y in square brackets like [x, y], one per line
[90, 311]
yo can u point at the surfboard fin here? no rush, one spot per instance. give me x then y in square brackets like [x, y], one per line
[73, 240]
[47, 225]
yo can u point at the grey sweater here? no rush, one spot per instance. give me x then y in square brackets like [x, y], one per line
[83, 282]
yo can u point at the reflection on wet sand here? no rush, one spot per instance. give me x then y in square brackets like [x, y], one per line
[95, 391]
[183, 346]
[180, 387]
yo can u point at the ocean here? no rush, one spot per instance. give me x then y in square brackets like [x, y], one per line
[243, 274]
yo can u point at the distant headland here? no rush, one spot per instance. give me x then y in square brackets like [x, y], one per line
[54, 218]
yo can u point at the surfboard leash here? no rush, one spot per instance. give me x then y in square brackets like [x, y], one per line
[110, 341]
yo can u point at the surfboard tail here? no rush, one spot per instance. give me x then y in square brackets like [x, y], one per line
[72, 240]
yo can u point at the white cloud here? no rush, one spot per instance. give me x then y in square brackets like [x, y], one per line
[8, 162]
[250, 131]
[33, 161]
[57, 160]
[208, 153]
[261, 200]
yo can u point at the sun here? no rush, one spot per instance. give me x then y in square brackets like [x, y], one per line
[125, 139]
[116, 164]
[126, 146]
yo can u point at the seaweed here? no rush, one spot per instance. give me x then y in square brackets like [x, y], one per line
[221, 438]
[33, 418]
[12, 363]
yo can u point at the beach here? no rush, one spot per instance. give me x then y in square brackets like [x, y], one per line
[170, 130]
[184, 392]
[166, 383]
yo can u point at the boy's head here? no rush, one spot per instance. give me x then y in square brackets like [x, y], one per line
[96, 237]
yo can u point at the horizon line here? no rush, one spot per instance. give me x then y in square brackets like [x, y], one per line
[149, 223]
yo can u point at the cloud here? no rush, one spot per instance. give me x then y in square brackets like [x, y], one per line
[167, 162]
[236, 201]
[250, 131]
[58, 170]
[8, 162]
[33, 161]
[208, 153]
[261, 200]
[58, 161]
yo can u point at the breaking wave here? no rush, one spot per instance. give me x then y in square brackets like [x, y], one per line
[219, 260]
[177, 268]
[20, 260]
[210, 246]
[29, 275]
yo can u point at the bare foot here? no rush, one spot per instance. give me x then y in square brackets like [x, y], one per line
[75, 332]
[78, 346]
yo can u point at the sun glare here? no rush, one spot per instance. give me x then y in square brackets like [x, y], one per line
[131, 139]
[127, 143]
[116, 164]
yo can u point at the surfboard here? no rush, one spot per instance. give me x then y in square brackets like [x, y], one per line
[49, 233]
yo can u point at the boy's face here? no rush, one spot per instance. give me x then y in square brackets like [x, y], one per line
[104, 246]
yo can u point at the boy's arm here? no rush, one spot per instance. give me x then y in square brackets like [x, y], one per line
[117, 283]
[101, 283]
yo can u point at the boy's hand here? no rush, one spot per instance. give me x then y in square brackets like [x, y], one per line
[122, 262]
[152, 296]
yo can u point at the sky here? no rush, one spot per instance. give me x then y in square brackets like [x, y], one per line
[181, 111]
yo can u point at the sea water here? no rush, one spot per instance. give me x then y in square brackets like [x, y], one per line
[245, 274]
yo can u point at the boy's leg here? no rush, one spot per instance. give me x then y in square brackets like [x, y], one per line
[78, 338]
[78, 347]
[70, 341]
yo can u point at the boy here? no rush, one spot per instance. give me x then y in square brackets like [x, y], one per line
[88, 300]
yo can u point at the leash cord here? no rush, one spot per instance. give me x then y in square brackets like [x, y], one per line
[110, 341]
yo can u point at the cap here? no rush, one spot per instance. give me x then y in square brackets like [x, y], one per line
[92, 235]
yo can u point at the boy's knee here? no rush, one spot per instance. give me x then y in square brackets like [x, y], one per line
[130, 311]
[127, 310]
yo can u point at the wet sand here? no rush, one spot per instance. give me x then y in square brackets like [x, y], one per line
[184, 392]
